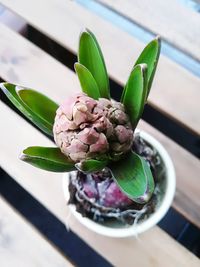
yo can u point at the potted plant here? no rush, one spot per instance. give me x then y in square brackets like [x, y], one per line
[119, 181]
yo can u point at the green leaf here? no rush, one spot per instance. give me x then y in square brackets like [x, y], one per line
[135, 93]
[40, 104]
[134, 177]
[47, 158]
[35, 106]
[90, 55]
[91, 165]
[87, 81]
[150, 56]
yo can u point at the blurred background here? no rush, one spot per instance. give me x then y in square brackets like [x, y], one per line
[177, 117]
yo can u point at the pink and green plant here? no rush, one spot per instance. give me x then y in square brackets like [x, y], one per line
[92, 131]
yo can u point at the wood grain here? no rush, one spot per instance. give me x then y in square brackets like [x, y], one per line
[120, 252]
[21, 245]
[175, 90]
[171, 19]
[32, 67]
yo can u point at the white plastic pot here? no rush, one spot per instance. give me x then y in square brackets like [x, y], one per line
[133, 230]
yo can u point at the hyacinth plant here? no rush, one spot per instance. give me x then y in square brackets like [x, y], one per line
[93, 133]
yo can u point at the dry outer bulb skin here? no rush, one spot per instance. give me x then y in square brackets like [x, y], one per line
[85, 128]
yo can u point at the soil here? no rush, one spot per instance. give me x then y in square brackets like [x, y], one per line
[133, 212]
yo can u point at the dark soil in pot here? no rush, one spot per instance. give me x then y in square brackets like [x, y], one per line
[97, 196]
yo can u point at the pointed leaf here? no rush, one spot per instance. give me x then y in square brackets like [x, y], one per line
[91, 57]
[35, 106]
[87, 81]
[134, 177]
[150, 56]
[135, 93]
[39, 103]
[47, 158]
[91, 165]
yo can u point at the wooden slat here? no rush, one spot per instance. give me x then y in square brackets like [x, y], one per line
[175, 22]
[187, 169]
[23, 63]
[21, 245]
[13, 21]
[175, 90]
[120, 252]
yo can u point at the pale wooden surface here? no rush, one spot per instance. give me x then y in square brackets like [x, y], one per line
[187, 169]
[35, 181]
[171, 19]
[175, 90]
[24, 63]
[10, 19]
[154, 248]
[21, 245]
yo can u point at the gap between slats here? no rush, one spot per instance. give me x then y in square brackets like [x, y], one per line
[169, 88]
[29, 58]
[160, 121]
[172, 20]
[117, 251]
[14, 248]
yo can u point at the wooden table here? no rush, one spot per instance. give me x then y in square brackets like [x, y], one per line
[40, 238]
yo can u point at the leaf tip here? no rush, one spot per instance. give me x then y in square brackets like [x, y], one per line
[157, 42]
[145, 198]
[79, 167]
[143, 67]
[3, 86]
[158, 38]
[22, 156]
[19, 88]
[76, 65]
[84, 31]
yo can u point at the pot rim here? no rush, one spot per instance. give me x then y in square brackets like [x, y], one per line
[133, 230]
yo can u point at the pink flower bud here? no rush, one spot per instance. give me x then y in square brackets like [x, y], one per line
[85, 128]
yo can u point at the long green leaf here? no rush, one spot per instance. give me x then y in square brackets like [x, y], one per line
[135, 93]
[91, 165]
[87, 81]
[35, 106]
[134, 177]
[90, 55]
[150, 56]
[47, 158]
